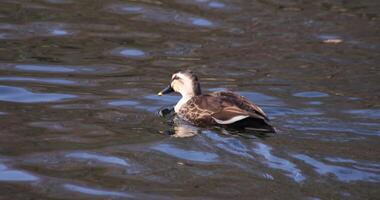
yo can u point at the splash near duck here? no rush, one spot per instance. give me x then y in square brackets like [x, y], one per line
[217, 108]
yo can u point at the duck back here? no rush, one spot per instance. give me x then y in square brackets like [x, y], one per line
[224, 108]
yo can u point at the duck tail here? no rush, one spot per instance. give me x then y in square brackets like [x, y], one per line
[254, 123]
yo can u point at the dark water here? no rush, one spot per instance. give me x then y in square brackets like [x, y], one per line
[78, 83]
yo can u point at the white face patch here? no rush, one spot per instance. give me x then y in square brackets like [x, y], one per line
[176, 85]
[182, 84]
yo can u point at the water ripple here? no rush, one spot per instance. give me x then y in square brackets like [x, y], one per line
[215, 4]
[129, 52]
[44, 68]
[201, 22]
[123, 103]
[15, 175]
[365, 113]
[231, 145]
[21, 95]
[344, 174]
[191, 155]
[36, 29]
[279, 163]
[159, 14]
[101, 158]
[320, 124]
[94, 191]
[39, 80]
[310, 94]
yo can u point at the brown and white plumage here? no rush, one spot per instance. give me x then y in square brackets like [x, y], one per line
[216, 108]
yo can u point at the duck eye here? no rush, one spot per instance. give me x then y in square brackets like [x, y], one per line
[175, 78]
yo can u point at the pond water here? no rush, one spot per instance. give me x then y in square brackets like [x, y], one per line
[78, 104]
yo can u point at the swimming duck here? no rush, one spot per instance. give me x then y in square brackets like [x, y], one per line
[217, 108]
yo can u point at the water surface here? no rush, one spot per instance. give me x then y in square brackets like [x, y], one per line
[78, 103]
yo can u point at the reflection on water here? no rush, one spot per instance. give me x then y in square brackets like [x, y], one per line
[78, 103]
[96, 192]
[342, 173]
[158, 14]
[215, 4]
[279, 163]
[123, 103]
[182, 129]
[21, 95]
[39, 80]
[44, 68]
[132, 52]
[190, 155]
[7, 174]
[59, 32]
[100, 158]
[322, 124]
[129, 52]
[201, 22]
[311, 94]
[365, 113]
[229, 144]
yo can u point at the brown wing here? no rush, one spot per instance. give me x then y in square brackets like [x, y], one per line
[199, 109]
[241, 102]
[217, 108]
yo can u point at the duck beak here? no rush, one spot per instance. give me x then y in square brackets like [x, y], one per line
[167, 90]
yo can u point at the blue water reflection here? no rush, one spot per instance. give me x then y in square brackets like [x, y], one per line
[314, 103]
[7, 174]
[44, 68]
[229, 144]
[132, 53]
[160, 14]
[215, 4]
[123, 103]
[132, 8]
[39, 80]
[96, 192]
[320, 124]
[279, 163]
[311, 94]
[191, 155]
[97, 157]
[21, 95]
[201, 22]
[344, 174]
[284, 111]
[59, 32]
[153, 104]
[365, 113]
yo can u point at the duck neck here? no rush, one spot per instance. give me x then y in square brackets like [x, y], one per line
[187, 95]
[182, 101]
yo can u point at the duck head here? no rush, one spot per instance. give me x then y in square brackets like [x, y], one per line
[184, 82]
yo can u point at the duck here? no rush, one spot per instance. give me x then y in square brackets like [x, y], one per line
[222, 108]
